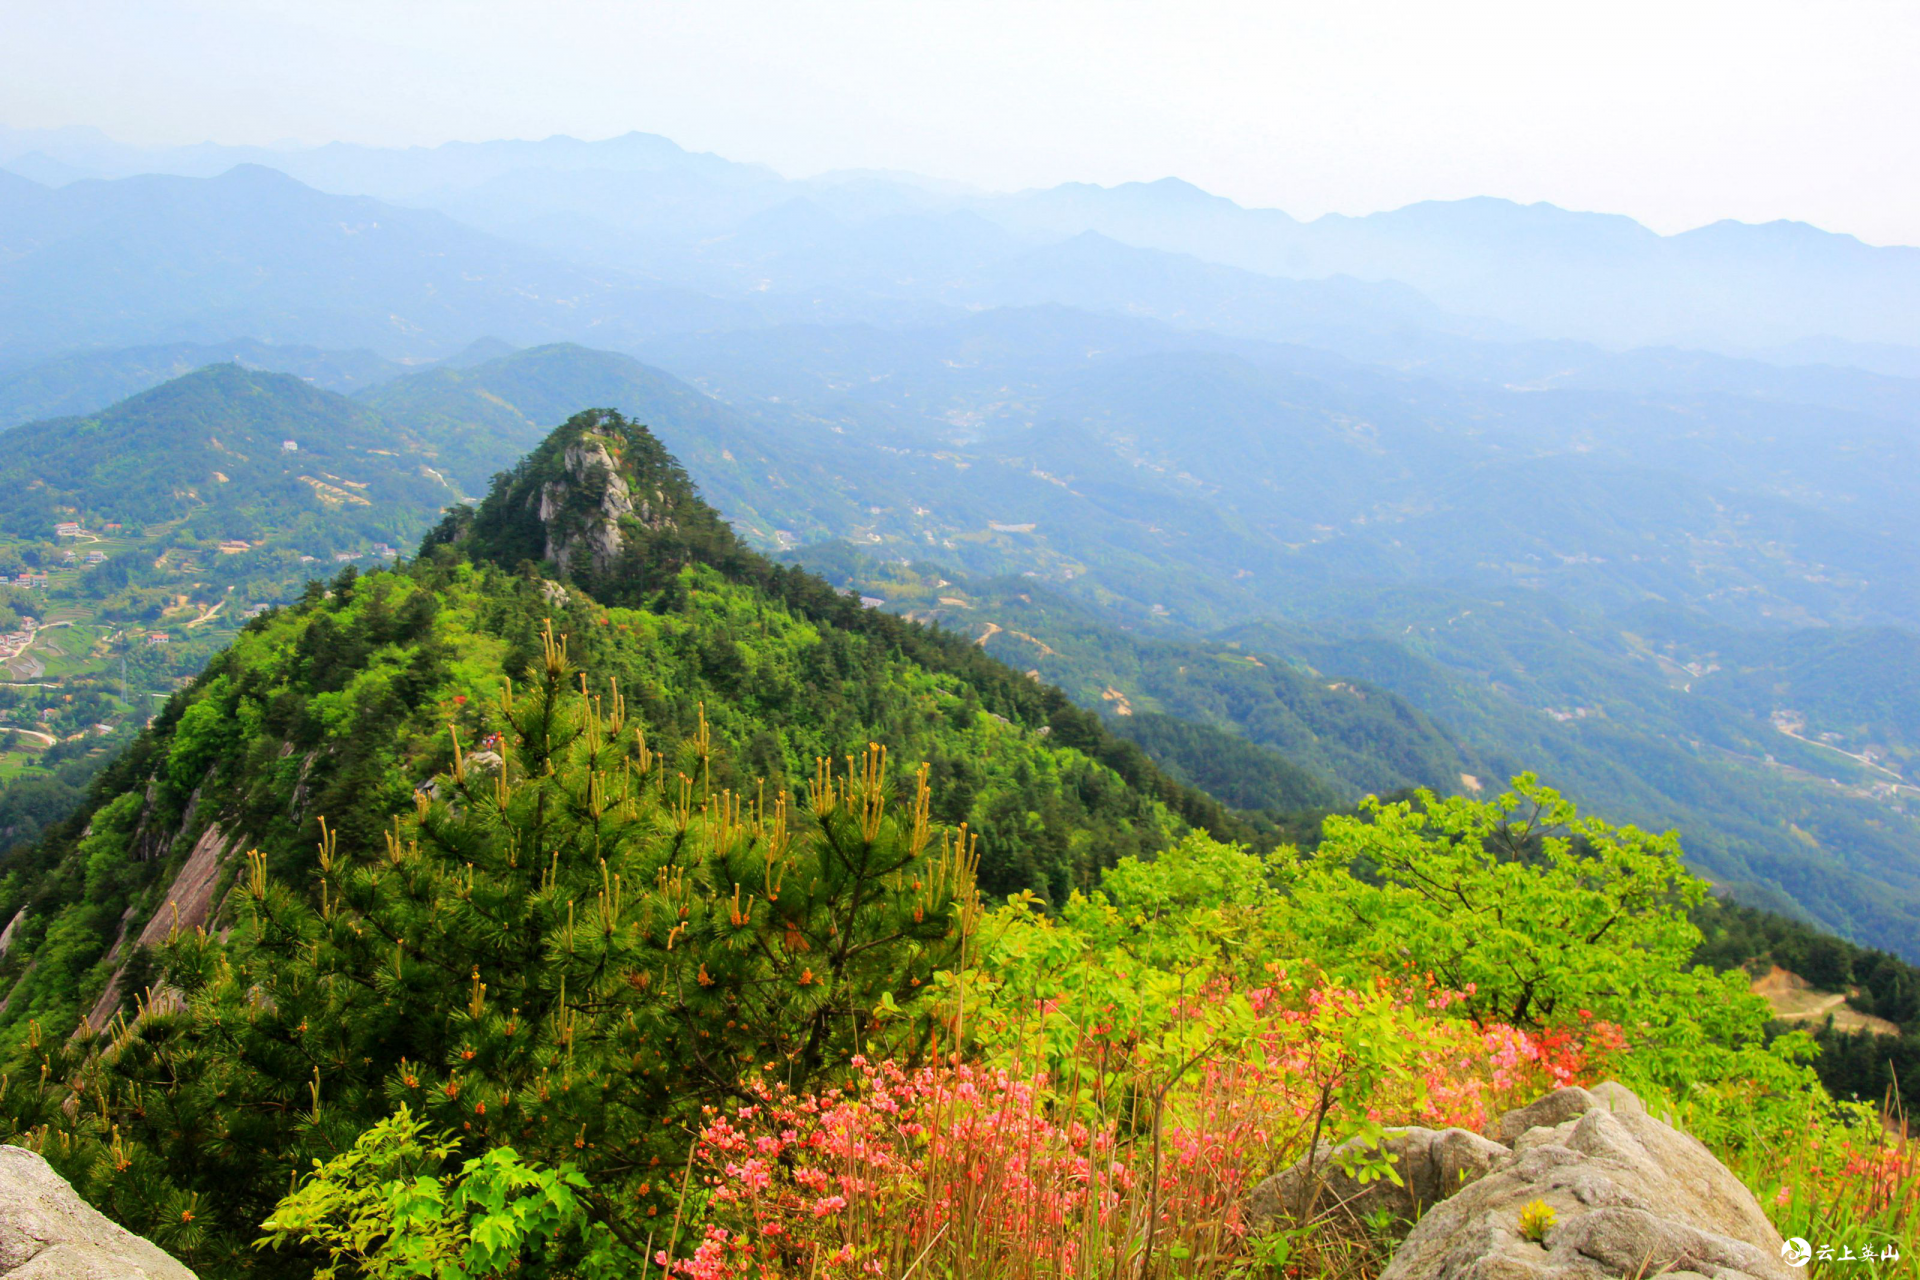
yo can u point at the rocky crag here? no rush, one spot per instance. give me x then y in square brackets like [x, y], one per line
[1629, 1194]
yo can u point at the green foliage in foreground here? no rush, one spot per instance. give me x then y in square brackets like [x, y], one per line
[582, 1006]
[1450, 885]
[1543, 916]
[385, 1210]
[1540, 917]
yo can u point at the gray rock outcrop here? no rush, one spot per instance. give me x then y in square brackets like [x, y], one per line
[6, 934]
[47, 1232]
[1561, 1106]
[1432, 1165]
[483, 762]
[583, 512]
[1631, 1196]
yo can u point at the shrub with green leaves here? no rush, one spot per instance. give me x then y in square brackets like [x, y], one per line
[1542, 916]
[387, 1210]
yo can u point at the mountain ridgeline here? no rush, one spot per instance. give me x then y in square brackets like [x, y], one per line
[345, 247]
[613, 512]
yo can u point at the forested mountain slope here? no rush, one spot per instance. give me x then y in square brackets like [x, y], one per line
[1479, 559]
[565, 750]
[1458, 691]
[742, 672]
[236, 453]
[1264, 733]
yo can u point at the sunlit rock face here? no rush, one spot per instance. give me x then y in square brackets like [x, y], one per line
[47, 1232]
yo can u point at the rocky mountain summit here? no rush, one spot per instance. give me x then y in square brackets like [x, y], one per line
[603, 502]
[1579, 1185]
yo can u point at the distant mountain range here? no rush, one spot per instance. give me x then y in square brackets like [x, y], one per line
[254, 253]
[641, 203]
[1548, 271]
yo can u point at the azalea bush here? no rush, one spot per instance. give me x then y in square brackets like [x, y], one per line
[1201, 1020]
[1191, 958]
[962, 1170]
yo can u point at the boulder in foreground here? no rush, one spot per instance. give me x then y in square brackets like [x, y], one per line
[1631, 1196]
[49, 1233]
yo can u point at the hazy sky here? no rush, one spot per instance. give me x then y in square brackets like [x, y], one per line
[1678, 112]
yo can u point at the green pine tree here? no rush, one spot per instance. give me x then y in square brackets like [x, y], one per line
[569, 950]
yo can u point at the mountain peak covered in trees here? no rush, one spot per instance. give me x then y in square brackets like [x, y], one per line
[603, 500]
